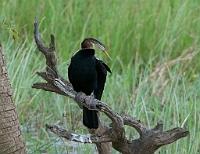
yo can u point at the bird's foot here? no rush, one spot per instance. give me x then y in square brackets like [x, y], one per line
[80, 99]
[91, 102]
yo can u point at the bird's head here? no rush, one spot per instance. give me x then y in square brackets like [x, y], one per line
[88, 43]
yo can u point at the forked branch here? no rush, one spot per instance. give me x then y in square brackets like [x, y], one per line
[149, 140]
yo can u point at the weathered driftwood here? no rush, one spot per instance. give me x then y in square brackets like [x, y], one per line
[149, 140]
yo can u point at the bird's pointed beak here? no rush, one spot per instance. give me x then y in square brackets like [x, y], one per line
[107, 54]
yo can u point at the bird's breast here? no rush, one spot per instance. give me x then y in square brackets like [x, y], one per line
[83, 74]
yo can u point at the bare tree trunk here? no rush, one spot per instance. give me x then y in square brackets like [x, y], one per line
[11, 140]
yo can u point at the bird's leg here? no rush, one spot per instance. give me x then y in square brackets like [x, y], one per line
[91, 103]
[80, 99]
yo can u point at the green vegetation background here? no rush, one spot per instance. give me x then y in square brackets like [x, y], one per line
[154, 45]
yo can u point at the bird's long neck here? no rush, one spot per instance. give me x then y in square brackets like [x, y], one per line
[86, 52]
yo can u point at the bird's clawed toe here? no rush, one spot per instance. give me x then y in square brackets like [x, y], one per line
[91, 102]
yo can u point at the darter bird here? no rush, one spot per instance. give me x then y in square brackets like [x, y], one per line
[87, 74]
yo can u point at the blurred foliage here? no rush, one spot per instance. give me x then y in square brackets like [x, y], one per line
[8, 25]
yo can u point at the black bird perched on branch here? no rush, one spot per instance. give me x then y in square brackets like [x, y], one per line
[87, 74]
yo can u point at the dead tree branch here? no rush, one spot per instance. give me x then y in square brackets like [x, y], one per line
[149, 140]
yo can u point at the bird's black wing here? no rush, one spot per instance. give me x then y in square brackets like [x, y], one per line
[71, 78]
[102, 69]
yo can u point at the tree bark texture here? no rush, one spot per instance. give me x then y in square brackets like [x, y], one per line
[11, 140]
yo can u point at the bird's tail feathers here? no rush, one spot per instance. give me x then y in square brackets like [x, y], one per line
[90, 119]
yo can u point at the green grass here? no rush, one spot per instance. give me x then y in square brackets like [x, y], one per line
[139, 35]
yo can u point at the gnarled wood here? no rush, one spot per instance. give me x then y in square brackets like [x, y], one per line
[149, 140]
